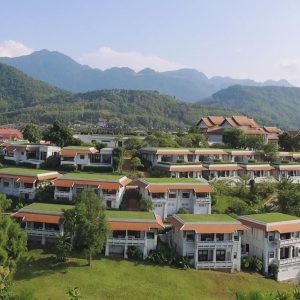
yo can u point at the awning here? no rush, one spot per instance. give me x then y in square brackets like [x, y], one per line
[204, 189]
[284, 228]
[25, 179]
[63, 183]
[214, 228]
[134, 226]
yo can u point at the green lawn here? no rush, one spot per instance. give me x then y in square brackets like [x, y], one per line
[24, 171]
[91, 176]
[174, 180]
[271, 217]
[120, 279]
[134, 215]
[206, 218]
[47, 207]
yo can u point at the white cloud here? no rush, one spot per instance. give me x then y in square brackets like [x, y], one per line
[106, 58]
[290, 69]
[12, 48]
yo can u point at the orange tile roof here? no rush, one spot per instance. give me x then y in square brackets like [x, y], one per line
[10, 134]
[282, 227]
[173, 152]
[210, 151]
[286, 167]
[38, 217]
[272, 129]
[216, 120]
[217, 227]
[102, 184]
[257, 167]
[254, 131]
[152, 188]
[285, 154]
[244, 121]
[73, 152]
[221, 167]
[187, 168]
[241, 153]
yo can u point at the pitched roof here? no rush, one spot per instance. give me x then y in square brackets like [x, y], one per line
[257, 167]
[10, 134]
[214, 223]
[222, 167]
[216, 120]
[272, 222]
[272, 129]
[72, 151]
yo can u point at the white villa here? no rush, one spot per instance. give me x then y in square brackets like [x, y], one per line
[42, 221]
[259, 172]
[171, 194]
[21, 152]
[132, 229]
[210, 241]
[24, 182]
[274, 238]
[82, 157]
[287, 170]
[222, 171]
[110, 187]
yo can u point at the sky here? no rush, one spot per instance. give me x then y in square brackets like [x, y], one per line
[257, 39]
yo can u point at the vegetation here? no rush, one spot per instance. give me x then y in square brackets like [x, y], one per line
[32, 133]
[146, 204]
[48, 278]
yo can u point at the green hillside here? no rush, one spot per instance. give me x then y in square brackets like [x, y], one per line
[18, 90]
[268, 105]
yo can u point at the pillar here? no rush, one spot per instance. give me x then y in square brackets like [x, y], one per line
[145, 252]
[107, 248]
[43, 235]
[291, 252]
[196, 251]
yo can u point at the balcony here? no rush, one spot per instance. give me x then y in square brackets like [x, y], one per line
[213, 244]
[214, 264]
[63, 194]
[109, 197]
[289, 261]
[24, 190]
[42, 232]
[287, 242]
[126, 241]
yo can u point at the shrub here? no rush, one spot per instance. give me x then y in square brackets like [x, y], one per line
[134, 253]
[52, 162]
[146, 204]
[245, 263]
[273, 270]
[27, 165]
[9, 162]
[68, 168]
[183, 210]
[102, 169]
[256, 264]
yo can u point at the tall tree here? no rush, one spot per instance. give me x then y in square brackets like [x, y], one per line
[91, 224]
[233, 137]
[32, 133]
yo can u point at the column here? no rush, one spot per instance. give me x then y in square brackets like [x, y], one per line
[145, 246]
[215, 256]
[196, 251]
[126, 247]
[291, 251]
[43, 235]
[107, 248]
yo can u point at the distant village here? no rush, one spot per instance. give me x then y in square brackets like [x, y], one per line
[161, 194]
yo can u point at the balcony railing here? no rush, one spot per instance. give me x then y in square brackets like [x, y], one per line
[214, 264]
[288, 261]
[26, 190]
[203, 244]
[123, 240]
[291, 241]
[109, 197]
[40, 232]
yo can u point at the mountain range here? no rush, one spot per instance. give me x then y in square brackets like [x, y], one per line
[185, 84]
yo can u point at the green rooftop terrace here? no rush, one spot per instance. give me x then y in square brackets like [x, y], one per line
[47, 207]
[78, 147]
[271, 217]
[205, 218]
[92, 176]
[174, 180]
[134, 215]
[24, 171]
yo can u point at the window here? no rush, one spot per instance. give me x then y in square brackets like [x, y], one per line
[172, 195]
[185, 195]
[6, 183]
[271, 236]
[220, 255]
[203, 255]
[236, 237]
[207, 237]
[150, 235]
[190, 237]
[119, 234]
[234, 255]
[134, 234]
[202, 195]
[81, 156]
[190, 255]
[22, 153]
[247, 247]
[220, 236]
[271, 254]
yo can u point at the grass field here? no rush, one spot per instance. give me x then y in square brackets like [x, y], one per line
[120, 279]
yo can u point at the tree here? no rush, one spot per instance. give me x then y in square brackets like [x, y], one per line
[60, 135]
[91, 224]
[133, 143]
[146, 204]
[254, 142]
[233, 137]
[118, 159]
[5, 284]
[32, 133]
[100, 146]
[13, 242]
[269, 152]
[5, 203]
[63, 246]
[289, 143]
[136, 162]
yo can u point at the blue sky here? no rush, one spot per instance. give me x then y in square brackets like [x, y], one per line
[257, 39]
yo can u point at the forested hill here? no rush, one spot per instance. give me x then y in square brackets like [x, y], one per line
[271, 105]
[124, 109]
[18, 90]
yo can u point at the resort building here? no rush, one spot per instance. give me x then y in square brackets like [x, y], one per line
[259, 172]
[242, 156]
[81, 157]
[7, 134]
[22, 152]
[110, 187]
[24, 182]
[210, 241]
[182, 170]
[42, 221]
[169, 195]
[222, 171]
[275, 239]
[132, 229]
[287, 170]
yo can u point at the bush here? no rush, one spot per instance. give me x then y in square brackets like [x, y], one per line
[27, 165]
[245, 263]
[256, 264]
[273, 270]
[9, 162]
[146, 204]
[102, 169]
[183, 210]
[134, 253]
[68, 168]
[52, 162]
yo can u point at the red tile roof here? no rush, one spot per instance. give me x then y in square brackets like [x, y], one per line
[38, 217]
[10, 134]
